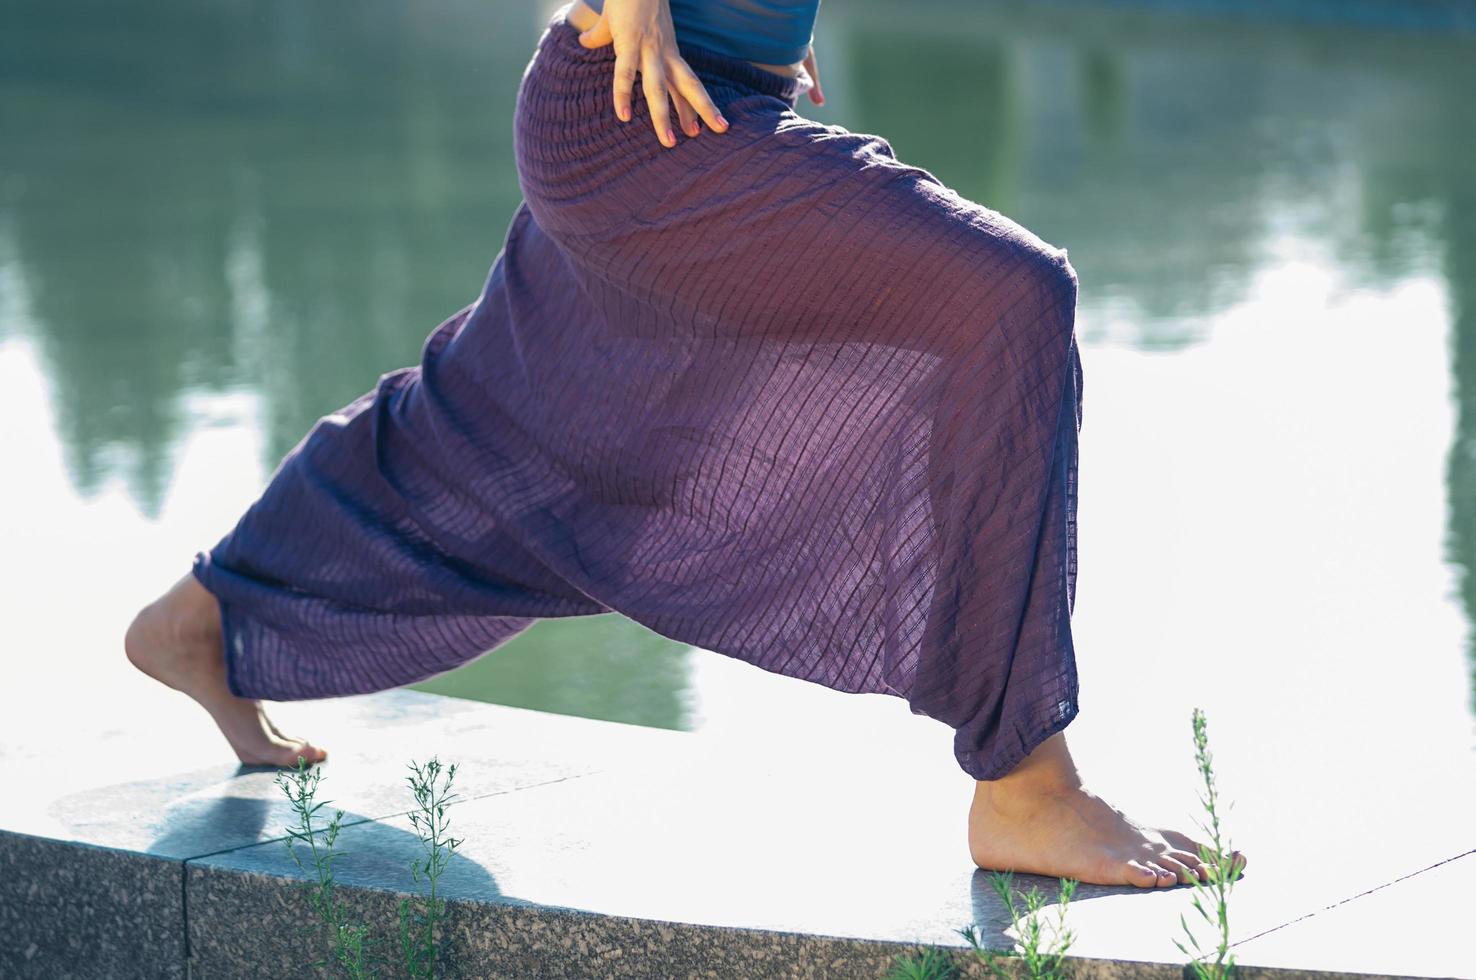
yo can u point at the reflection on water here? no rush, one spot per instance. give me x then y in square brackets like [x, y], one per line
[221, 220]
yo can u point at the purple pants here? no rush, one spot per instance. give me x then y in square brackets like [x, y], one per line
[772, 392]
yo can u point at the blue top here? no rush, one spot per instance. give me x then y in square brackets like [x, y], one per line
[773, 32]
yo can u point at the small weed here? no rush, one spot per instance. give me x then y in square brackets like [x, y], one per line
[1041, 960]
[1220, 859]
[350, 940]
[418, 924]
[933, 964]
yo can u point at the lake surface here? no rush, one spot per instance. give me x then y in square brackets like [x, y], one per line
[220, 220]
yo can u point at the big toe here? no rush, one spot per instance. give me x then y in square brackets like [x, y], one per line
[1139, 874]
[308, 751]
[287, 754]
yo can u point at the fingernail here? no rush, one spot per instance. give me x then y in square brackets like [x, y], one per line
[625, 113]
[670, 136]
[722, 121]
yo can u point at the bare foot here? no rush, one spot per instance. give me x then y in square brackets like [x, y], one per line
[1040, 819]
[176, 639]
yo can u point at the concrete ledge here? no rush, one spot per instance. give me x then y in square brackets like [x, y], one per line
[69, 909]
[242, 925]
[597, 849]
[240, 918]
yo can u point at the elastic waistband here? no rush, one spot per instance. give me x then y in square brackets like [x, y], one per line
[703, 60]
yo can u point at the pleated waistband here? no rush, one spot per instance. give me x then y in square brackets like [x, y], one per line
[708, 64]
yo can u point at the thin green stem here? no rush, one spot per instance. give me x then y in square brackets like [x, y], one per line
[1220, 859]
[350, 941]
[418, 926]
[1041, 960]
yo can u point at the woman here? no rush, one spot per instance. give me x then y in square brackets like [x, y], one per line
[761, 387]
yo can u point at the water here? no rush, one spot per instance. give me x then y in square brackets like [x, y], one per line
[221, 220]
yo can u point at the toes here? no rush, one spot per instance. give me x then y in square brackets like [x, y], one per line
[1139, 874]
[1197, 868]
[1166, 878]
[1181, 872]
[292, 745]
[1183, 842]
[288, 755]
[310, 752]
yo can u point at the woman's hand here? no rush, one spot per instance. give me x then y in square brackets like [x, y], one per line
[645, 39]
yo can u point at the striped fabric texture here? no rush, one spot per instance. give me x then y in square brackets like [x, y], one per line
[771, 392]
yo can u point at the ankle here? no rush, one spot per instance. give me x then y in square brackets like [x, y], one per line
[1048, 770]
[1025, 789]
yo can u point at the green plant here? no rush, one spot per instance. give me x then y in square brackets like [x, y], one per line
[1221, 861]
[932, 964]
[350, 940]
[1041, 961]
[418, 924]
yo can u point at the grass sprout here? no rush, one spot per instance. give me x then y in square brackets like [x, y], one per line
[350, 940]
[1220, 859]
[932, 964]
[418, 918]
[1040, 958]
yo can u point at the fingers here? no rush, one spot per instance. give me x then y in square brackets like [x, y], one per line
[625, 73]
[816, 96]
[597, 36]
[695, 93]
[653, 83]
[685, 114]
[676, 81]
[665, 77]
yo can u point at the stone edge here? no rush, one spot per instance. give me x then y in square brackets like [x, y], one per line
[82, 910]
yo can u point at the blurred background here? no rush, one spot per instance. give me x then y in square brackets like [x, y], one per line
[222, 219]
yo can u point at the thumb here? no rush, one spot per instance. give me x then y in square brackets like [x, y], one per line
[816, 95]
[597, 36]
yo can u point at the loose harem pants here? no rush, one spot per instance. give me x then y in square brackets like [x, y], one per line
[772, 392]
